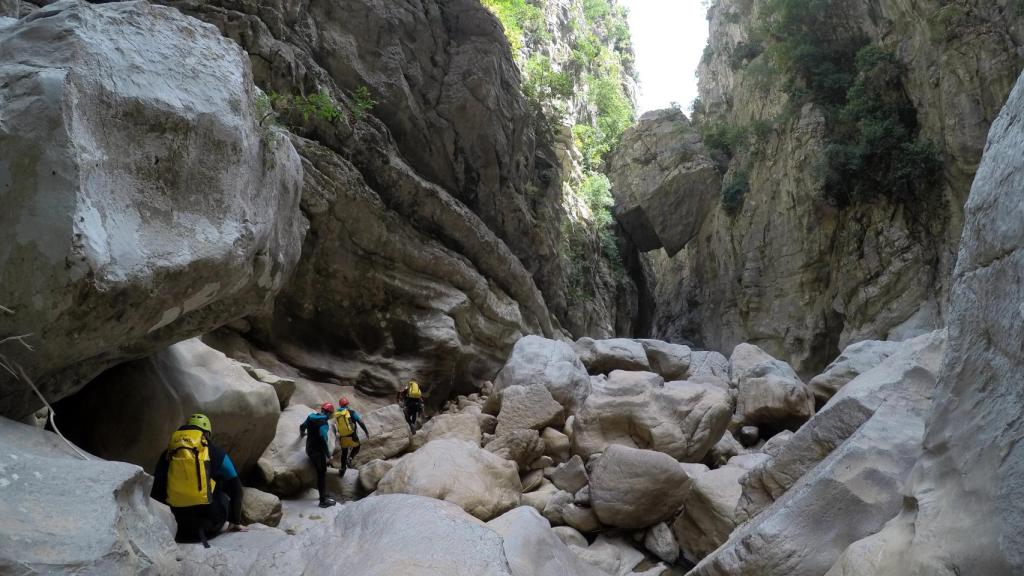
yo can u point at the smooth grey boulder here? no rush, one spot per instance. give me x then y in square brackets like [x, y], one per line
[632, 489]
[383, 535]
[537, 361]
[664, 181]
[389, 434]
[284, 467]
[481, 483]
[682, 419]
[143, 203]
[604, 356]
[528, 408]
[670, 361]
[611, 554]
[770, 394]
[556, 445]
[62, 515]
[459, 426]
[570, 536]
[371, 473]
[571, 475]
[131, 410]
[260, 507]
[708, 364]
[709, 511]
[855, 360]
[533, 549]
[520, 446]
[661, 541]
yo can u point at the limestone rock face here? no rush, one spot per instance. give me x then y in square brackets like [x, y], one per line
[538, 361]
[383, 535]
[793, 275]
[632, 488]
[130, 411]
[60, 514]
[604, 356]
[126, 170]
[682, 419]
[532, 548]
[963, 511]
[854, 361]
[481, 483]
[770, 392]
[520, 446]
[906, 378]
[664, 181]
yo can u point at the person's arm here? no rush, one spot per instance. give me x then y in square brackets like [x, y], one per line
[228, 477]
[359, 420]
[159, 491]
[302, 427]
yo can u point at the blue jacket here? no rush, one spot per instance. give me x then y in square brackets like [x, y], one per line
[317, 429]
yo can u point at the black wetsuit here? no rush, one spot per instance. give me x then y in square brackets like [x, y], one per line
[206, 519]
[316, 428]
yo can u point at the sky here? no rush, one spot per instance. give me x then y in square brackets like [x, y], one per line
[668, 39]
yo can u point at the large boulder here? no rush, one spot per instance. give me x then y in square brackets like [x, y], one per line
[382, 535]
[682, 419]
[389, 434]
[664, 181]
[533, 549]
[610, 554]
[460, 426]
[143, 202]
[528, 408]
[284, 467]
[537, 361]
[855, 360]
[964, 512]
[260, 507]
[709, 511]
[770, 394]
[907, 377]
[481, 483]
[61, 515]
[632, 488]
[130, 411]
[670, 361]
[604, 356]
[520, 446]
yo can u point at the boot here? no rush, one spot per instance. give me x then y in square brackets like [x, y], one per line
[327, 502]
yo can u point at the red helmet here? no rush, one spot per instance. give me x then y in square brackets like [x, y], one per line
[342, 402]
[327, 407]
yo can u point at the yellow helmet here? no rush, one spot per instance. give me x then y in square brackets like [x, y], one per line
[200, 421]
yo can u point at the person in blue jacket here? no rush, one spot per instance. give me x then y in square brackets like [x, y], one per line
[201, 522]
[317, 430]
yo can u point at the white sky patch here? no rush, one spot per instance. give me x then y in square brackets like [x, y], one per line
[668, 38]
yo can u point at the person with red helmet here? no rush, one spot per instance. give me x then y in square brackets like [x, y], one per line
[345, 421]
[316, 429]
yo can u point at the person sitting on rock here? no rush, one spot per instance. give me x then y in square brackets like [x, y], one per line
[346, 419]
[412, 399]
[199, 482]
[316, 429]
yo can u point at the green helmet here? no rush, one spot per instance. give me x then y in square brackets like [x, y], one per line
[200, 421]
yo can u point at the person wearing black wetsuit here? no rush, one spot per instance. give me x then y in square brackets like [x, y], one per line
[199, 523]
[316, 429]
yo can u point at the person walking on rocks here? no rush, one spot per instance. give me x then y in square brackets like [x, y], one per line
[316, 429]
[412, 399]
[346, 419]
[199, 482]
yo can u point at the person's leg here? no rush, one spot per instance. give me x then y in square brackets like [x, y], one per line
[343, 464]
[320, 466]
[352, 456]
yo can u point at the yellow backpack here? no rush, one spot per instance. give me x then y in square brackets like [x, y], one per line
[188, 470]
[414, 391]
[343, 419]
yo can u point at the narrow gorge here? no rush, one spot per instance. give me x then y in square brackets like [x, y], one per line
[775, 331]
